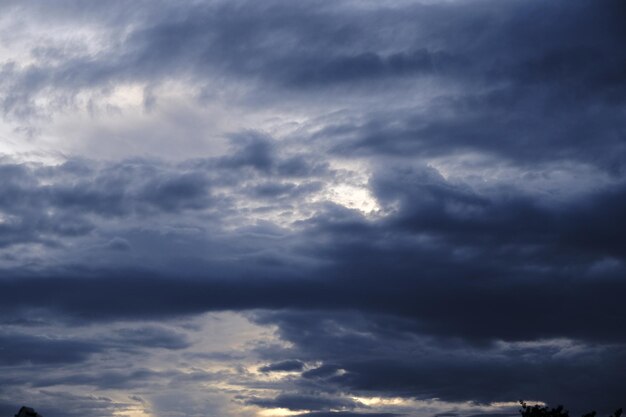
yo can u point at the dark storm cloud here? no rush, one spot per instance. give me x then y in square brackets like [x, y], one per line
[367, 66]
[77, 407]
[322, 371]
[556, 273]
[133, 186]
[516, 126]
[44, 203]
[445, 296]
[561, 42]
[529, 291]
[101, 379]
[62, 403]
[262, 154]
[298, 402]
[548, 56]
[18, 349]
[200, 40]
[369, 356]
[531, 82]
[487, 252]
[585, 227]
[540, 83]
[284, 366]
[145, 212]
[330, 44]
[114, 190]
[119, 379]
[251, 150]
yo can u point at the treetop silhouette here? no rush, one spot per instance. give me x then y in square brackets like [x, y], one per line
[545, 411]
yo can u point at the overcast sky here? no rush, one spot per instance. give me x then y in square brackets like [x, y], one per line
[315, 208]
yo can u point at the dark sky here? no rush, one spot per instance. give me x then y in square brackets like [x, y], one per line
[314, 208]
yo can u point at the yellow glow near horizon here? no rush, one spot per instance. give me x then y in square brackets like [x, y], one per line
[369, 401]
[132, 412]
[277, 412]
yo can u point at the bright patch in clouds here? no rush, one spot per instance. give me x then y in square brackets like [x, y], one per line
[353, 197]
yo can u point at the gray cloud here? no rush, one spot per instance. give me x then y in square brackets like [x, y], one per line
[299, 402]
[20, 349]
[284, 366]
[366, 355]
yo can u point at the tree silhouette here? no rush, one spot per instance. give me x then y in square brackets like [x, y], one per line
[559, 411]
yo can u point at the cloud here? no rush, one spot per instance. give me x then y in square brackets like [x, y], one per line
[118, 243]
[345, 414]
[102, 379]
[21, 349]
[441, 288]
[371, 358]
[284, 366]
[297, 402]
[151, 337]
